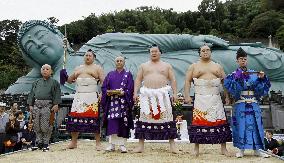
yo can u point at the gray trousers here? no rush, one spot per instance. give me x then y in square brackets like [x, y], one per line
[41, 118]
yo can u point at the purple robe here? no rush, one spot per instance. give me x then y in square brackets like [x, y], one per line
[117, 109]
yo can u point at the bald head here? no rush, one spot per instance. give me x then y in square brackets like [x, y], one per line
[45, 66]
[119, 58]
[119, 62]
[46, 71]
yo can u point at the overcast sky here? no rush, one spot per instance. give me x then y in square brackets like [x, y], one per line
[70, 10]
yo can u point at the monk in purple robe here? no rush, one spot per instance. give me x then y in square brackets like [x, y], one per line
[117, 103]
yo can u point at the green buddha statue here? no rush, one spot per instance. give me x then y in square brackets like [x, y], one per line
[41, 43]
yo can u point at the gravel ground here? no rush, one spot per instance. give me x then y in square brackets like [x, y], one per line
[154, 152]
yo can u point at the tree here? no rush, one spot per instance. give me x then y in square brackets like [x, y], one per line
[110, 29]
[226, 26]
[12, 64]
[176, 31]
[159, 29]
[130, 29]
[9, 29]
[272, 4]
[213, 11]
[203, 25]
[207, 6]
[214, 32]
[187, 20]
[186, 31]
[280, 37]
[266, 24]
[9, 53]
[53, 20]
[219, 14]
[232, 9]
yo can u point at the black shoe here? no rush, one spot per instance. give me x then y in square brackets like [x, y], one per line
[45, 148]
[40, 146]
[34, 148]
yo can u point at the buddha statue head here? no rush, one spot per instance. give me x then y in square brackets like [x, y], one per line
[40, 43]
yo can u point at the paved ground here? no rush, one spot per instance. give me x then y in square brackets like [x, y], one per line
[154, 152]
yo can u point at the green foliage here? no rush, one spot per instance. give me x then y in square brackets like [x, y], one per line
[280, 36]
[53, 20]
[204, 25]
[177, 31]
[12, 64]
[187, 31]
[214, 32]
[8, 30]
[233, 16]
[272, 4]
[9, 53]
[130, 29]
[266, 23]
[9, 74]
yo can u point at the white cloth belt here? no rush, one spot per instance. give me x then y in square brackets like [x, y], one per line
[154, 97]
[206, 90]
[247, 100]
[247, 93]
[86, 85]
[87, 89]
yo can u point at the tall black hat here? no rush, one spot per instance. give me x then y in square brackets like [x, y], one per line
[241, 53]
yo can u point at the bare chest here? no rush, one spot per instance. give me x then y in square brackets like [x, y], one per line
[210, 71]
[88, 71]
[159, 70]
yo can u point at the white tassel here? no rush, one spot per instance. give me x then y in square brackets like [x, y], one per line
[160, 96]
[144, 104]
[168, 101]
[154, 105]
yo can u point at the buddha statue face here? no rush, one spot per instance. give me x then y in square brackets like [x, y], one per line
[42, 45]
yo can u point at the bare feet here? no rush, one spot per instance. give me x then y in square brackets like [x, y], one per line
[74, 139]
[196, 150]
[175, 151]
[196, 153]
[173, 148]
[72, 145]
[138, 150]
[240, 154]
[224, 150]
[226, 153]
[140, 147]
[99, 147]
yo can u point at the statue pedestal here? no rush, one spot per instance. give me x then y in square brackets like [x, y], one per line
[183, 135]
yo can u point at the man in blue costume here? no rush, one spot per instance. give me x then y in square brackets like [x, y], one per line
[247, 86]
